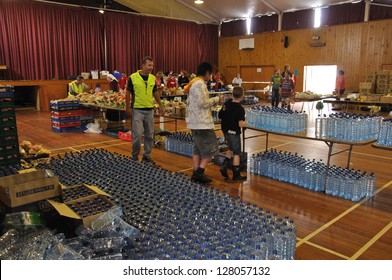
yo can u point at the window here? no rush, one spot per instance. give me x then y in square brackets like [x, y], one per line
[317, 17]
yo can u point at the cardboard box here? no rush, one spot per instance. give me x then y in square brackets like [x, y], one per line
[375, 98]
[366, 91]
[363, 97]
[366, 85]
[386, 99]
[23, 189]
[383, 77]
[383, 81]
[79, 191]
[383, 72]
[98, 203]
[383, 91]
[387, 86]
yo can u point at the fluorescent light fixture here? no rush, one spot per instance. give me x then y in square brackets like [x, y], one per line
[355, 2]
[248, 25]
[101, 11]
[317, 17]
[198, 2]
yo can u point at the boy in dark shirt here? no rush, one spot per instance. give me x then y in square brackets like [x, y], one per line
[233, 119]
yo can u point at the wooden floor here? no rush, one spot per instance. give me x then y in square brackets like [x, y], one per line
[328, 227]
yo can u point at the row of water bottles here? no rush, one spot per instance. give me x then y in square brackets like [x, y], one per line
[290, 168]
[385, 135]
[350, 184]
[310, 174]
[348, 127]
[177, 218]
[276, 119]
[180, 143]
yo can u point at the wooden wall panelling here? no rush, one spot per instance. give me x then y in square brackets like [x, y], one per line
[230, 73]
[358, 48]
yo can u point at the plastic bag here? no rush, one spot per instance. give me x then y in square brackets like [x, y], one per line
[93, 128]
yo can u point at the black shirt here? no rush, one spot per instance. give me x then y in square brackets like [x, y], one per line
[230, 114]
[114, 86]
[182, 81]
[130, 88]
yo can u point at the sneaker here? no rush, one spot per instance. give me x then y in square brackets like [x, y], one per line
[239, 177]
[223, 171]
[201, 178]
[148, 160]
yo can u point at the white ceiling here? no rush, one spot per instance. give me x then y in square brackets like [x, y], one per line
[214, 11]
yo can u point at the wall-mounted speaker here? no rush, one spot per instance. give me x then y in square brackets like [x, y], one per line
[286, 42]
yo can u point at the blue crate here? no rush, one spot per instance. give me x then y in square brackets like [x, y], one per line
[65, 119]
[68, 129]
[6, 92]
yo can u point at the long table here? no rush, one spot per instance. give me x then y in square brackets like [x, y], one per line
[359, 103]
[309, 135]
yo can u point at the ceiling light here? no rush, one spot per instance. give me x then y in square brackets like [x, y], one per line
[355, 2]
[199, 2]
[101, 11]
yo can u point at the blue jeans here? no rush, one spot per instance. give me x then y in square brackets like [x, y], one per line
[142, 124]
[275, 99]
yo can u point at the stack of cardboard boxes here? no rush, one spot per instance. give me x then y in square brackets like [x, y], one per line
[377, 86]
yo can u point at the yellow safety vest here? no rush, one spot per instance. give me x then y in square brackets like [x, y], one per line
[76, 88]
[143, 93]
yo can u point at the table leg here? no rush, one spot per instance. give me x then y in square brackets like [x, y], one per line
[330, 146]
[266, 142]
[349, 156]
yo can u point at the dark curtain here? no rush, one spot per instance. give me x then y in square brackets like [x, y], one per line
[298, 19]
[173, 44]
[233, 28]
[43, 41]
[264, 24]
[343, 14]
[380, 12]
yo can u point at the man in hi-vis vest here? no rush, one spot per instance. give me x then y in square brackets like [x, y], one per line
[78, 86]
[141, 85]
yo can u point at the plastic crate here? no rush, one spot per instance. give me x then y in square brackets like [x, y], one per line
[6, 93]
[65, 119]
[8, 139]
[7, 112]
[64, 105]
[63, 114]
[67, 129]
[67, 108]
[125, 136]
[7, 122]
[7, 103]
[6, 131]
[9, 148]
[65, 124]
[10, 161]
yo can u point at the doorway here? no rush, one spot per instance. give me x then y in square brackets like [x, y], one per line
[320, 78]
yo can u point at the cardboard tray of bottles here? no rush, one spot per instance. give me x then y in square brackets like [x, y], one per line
[82, 203]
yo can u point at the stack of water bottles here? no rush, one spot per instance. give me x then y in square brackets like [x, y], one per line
[177, 218]
[310, 174]
[106, 239]
[276, 119]
[179, 143]
[385, 134]
[348, 127]
[350, 184]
